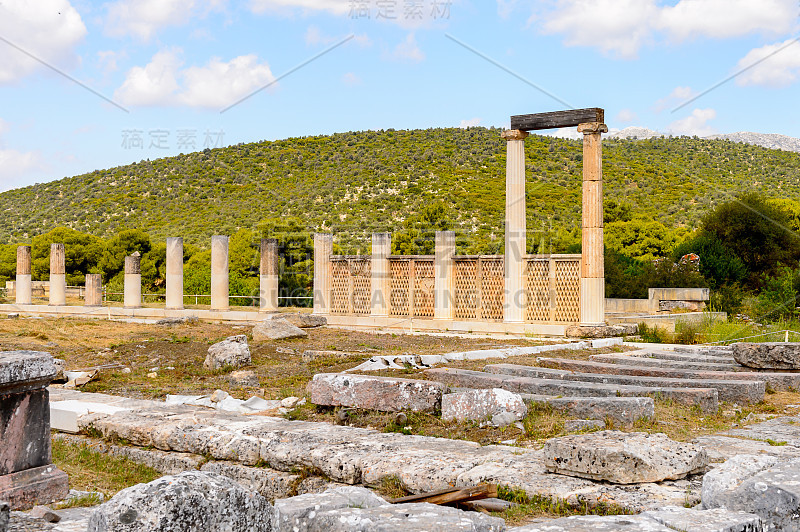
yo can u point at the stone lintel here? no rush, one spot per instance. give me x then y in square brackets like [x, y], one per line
[514, 134]
[588, 128]
[18, 367]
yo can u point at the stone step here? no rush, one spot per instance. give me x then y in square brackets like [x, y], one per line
[733, 391]
[705, 398]
[684, 357]
[778, 381]
[723, 351]
[661, 363]
[387, 394]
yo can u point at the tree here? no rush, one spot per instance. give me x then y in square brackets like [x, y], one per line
[124, 243]
[719, 265]
[82, 254]
[418, 236]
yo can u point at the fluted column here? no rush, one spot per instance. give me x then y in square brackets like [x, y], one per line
[592, 263]
[133, 281]
[219, 273]
[58, 278]
[516, 243]
[23, 288]
[381, 248]
[93, 295]
[174, 273]
[323, 248]
[268, 297]
[444, 297]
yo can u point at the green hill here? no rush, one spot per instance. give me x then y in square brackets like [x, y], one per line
[353, 184]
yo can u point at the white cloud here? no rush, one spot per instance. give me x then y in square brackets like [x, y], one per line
[143, 18]
[163, 81]
[470, 123]
[47, 29]
[694, 124]
[408, 50]
[780, 65]
[626, 116]
[677, 96]
[351, 80]
[338, 7]
[621, 27]
[564, 133]
[16, 165]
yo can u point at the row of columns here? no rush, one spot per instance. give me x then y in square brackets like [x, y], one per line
[268, 277]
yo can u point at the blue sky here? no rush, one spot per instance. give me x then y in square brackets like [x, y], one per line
[173, 68]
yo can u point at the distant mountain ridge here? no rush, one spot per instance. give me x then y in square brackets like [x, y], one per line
[765, 140]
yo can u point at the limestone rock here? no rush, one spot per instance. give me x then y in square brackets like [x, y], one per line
[190, 501]
[276, 330]
[61, 365]
[601, 331]
[623, 458]
[717, 520]
[386, 394]
[5, 513]
[768, 355]
[243, 378]
[722, 480]
[415, 517]
[187, 320]
[481, 405]
[302, 320]
[44, 513]
[233, 352]
[298, 513]
[21, 366]
[596, 523]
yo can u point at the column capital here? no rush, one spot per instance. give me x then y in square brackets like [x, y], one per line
[514, 134]
[588, 128]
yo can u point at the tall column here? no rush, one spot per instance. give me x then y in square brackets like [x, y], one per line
[516, 243]
[58, 278]
[23, 289]
[381, 248]
[219, 273]
[268, 297]
[133, 281]
[174, 273]
[94, 290]
[444, 276]
[592, 265]
[323, 249]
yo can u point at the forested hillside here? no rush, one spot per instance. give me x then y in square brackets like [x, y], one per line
[355, 183]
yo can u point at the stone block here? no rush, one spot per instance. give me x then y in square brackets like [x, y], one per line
[768, 355]
[601, 331]
[301, 320]
[37, 485]
[596, 523]
[717, 520]
[623, 458]
[722, 480]
[299, 513]
[622, 411]
[243, 378]
[277, 329]
[415, 517]
[189, 501]
[64, 414]
[45, 514]
[386, 394]
[231, 352]
[482, 405]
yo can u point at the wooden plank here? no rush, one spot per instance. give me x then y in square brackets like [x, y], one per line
[557, 119]
[451, 495]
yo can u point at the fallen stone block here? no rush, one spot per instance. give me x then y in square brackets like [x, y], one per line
[231, 352]
[705, 398]
[602, 331]
[773, 494]
[596, 523]
[386, 394]
[301, 320]
[243, 378]
[722, 448]
[782, 431]
[276, 330]
[299, 513]
[482, 405]
[64, 414]
[314, 354]
[187, 320]
[413, 517]
[716, 520]
[734, 391]
[724, 479]
[768, 355]
[615, 358]
[189, 501]
[623, 411]
[623, 458]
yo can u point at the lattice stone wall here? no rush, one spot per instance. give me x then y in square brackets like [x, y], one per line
[412, 286]
[351, 285]
[553, 289]
[479, 282]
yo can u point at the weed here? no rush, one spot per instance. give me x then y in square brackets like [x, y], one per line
[392, 487]
[775, 443]
[82, 501]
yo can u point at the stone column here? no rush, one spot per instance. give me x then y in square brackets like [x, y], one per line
[219, 273]
[174, 273]
[444, 276]
[516, 242]
[27, 476]
[381, 249]
[323, 249]
[268, 279]
[133, 282]
[592, 263]
[58, 278]
[94, 290]
[23, 288]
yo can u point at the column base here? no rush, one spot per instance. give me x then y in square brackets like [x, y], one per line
[38, 485]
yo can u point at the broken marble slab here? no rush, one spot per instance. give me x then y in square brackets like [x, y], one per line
[221, 400]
